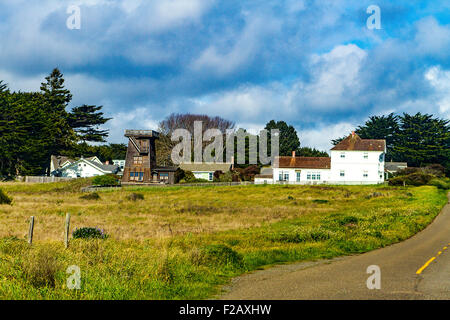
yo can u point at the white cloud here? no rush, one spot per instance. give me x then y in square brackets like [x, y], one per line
[440, 81]
[321, 136]
[222, 60]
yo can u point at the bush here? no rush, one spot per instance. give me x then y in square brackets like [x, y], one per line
[89, 233]
[40, 267]
[179, 175]
[417, 178]
[106, 180]
[135, 196]
[91, 196]
[218, 254]
[435, 169]
[440, 183]
[4, 198]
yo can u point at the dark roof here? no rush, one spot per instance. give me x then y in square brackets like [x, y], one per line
[262, 176]
[354, 143]
[58, 161]
[394, 166]
[165, 169]
[194, 166]
[266, 171]
[304, 162]
[105, 167]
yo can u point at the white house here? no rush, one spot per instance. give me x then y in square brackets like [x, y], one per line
[82, 168]
[353, 161]
[206, 170]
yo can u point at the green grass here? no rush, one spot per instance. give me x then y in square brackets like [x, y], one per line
[193, 264]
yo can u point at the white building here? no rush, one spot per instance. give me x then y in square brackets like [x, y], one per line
[353, 161]
[82, 168]
[206, 170]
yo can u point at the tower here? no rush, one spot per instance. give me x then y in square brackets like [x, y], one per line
[140, 162]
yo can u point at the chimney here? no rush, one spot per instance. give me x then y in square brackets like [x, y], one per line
[353, 133]
[232, 162]
[293, 154]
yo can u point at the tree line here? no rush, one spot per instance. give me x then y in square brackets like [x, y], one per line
[419, 139]
[36, 125]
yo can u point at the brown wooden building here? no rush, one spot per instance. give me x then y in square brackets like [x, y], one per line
[140, 163]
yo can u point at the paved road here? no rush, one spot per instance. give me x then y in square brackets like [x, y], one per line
[345, 278]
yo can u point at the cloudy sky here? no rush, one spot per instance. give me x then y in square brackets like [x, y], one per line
[314, 64]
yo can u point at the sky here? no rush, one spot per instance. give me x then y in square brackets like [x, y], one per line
[314, 64]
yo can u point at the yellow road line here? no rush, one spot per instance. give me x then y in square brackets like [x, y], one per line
[425, 265]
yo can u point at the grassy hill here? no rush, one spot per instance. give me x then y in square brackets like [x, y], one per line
[184, 242]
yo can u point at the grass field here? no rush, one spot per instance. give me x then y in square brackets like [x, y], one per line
[184, 242]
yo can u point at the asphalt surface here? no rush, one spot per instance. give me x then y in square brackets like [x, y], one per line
[346, 278]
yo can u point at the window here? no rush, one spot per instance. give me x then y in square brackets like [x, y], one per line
[342, 154]
[164, 177]
[318, 175]
[286, 177]
[365, 174]
[211, 176]
[342, 173]
[366, 155]
[313, 176]
[141, 176]
[298, 176]
[137, 160]
[280, 177]
[308, 176]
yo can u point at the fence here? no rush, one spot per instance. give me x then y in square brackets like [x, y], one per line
[38, 179]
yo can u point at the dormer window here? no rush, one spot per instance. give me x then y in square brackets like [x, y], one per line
[366, 155]
[342, 155]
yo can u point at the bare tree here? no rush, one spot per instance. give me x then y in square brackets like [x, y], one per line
[185, 121]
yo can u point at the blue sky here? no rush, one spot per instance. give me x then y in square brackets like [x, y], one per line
[314, 64]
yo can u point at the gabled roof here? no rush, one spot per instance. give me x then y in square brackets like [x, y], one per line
[354, 143]
[304, 162]
[106, 168]
[59, 161]
[394, 166]
[206, 166]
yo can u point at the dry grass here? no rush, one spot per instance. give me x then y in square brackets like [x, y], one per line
[163, 212]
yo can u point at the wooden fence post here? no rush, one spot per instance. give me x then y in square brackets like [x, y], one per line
[66, 231]
[30, 230]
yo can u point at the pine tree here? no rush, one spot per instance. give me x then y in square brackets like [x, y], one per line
[55, 99]
[423, 140]
[288, 137]
[85, 120]
[381, 127]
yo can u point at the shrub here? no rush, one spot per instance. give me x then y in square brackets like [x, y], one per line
[89, 233]
[135, 196]
[440, 184]
[189, 176]
[179, 175]
[436, 170]
[4, 198]
[91, 196]
[413, 179]
[320, 201]
[106, 180]
[217, 254]
[40, 266]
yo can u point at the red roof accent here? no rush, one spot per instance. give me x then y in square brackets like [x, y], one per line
[304, 162]
[355, 143]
